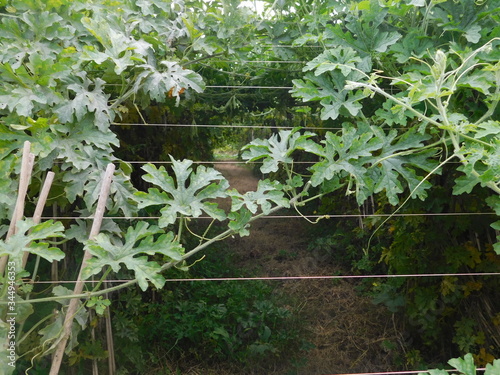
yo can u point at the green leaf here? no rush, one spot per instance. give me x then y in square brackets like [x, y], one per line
[268, 192]
[23, 310]
[494, 202]
[413, 44]
[330, 72]
[345, 154]
[364, 33]
[7, 201]
[487, 128]
[493, 368]
[8, 363]
[29, 238]
[343, 59]
[478, 166]
[86, 132]
[395, 162]
[123, 192]
[52, 333]
[473, 33]
[170, 83]
[481, 81]
[82, 315]
[189, 195]
[465, 184]
[120, 49]
[87, 100]
[384, 40]
[239, 221]
[26, 100]
[391, 115]
[306, 38]
[99, 304]
[434, 372]
[464, 366]
[278, 149]
[137, 240]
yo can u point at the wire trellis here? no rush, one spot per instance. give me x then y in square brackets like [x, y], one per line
[282, 278]
[324, 216]
[402, 372]
[237, 126]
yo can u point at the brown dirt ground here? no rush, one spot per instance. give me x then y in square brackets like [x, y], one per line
[346, 329]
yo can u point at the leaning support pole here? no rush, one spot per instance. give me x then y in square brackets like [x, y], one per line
[42, 199]
[110, 341]
[27, 162]
[73, 304]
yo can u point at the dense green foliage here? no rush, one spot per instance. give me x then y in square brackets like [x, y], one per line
[240, 324]
[406, 89]
[442, 92]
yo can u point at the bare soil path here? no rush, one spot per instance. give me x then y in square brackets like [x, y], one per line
[348, 332]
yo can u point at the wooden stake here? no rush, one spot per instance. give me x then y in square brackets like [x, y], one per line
[54, 274]
[73, 304]
[42, 199]
[27, 162]
[110, 341]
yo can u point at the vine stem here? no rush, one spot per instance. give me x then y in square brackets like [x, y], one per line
[394, 99]
[37, 324]
[420, 115]
[181, 226]
[408, 152]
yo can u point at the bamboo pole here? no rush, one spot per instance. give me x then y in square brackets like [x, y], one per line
[27, 162]
[42, 199]
[110, 341]
[95, 368]
[73, 304]
[54, 274]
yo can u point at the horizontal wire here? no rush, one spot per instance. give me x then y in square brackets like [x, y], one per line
[211, 162]
[226, 86]
[219, 162]
[262, 61]
[250, 87]
[215, 126]
[326, 216]
[401, 372]
[286, 278]
[236, 126]
[295, 46]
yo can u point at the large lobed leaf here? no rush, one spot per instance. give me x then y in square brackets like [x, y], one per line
[346, 154]
[139, 241]
[30, 238]
[268, 192]
[394, 165]
[279, 148]
[326, 81]
[189, 194]
[375, 162]
[171, 82]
